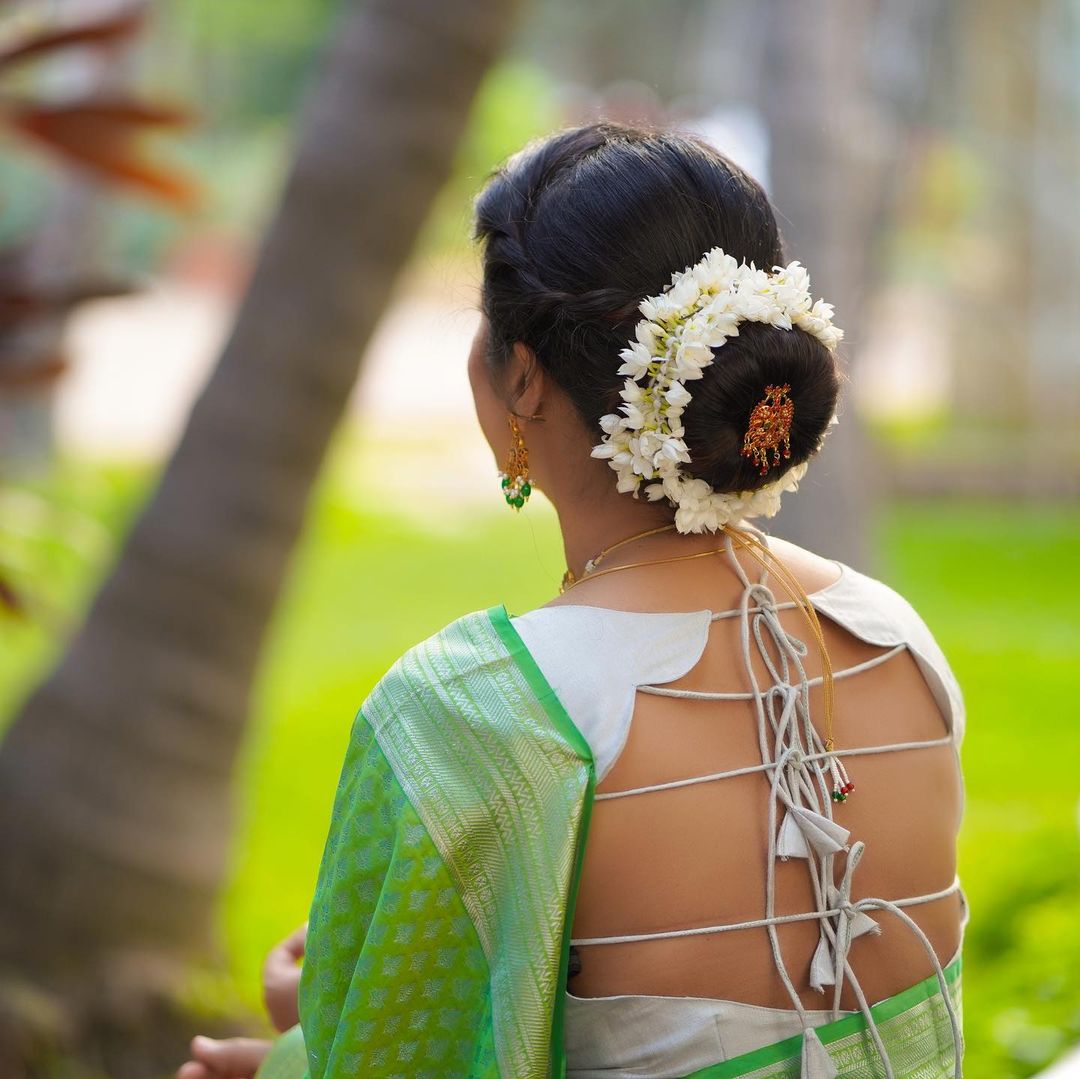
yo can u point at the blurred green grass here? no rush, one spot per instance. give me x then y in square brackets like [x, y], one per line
[998, 584]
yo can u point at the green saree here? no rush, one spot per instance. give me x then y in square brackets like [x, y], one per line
[439, 933]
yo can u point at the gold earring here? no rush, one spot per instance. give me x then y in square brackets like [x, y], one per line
[515, 477]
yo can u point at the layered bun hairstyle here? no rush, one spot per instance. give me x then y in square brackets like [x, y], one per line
[579, 226]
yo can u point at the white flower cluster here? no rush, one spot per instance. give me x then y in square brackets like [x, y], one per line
[697, 312]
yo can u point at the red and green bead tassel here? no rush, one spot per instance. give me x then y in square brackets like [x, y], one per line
[842, 785]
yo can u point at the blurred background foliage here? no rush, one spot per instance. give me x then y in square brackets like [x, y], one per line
[973, 447]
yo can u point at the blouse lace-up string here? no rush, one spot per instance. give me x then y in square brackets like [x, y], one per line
[797, 766]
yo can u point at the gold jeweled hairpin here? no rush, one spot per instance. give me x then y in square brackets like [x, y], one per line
[769, 427]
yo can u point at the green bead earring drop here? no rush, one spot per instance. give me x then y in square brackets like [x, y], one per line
[515, 477]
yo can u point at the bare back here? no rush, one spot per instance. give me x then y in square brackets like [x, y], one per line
[695, 855]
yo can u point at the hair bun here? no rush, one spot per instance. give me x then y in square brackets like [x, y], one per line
[580, 225]
[717, 419]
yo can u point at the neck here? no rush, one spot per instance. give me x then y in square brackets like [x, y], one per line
[590, 525]
[593, 514]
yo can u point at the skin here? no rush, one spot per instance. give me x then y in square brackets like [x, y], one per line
[281, 979]
[227, 1058]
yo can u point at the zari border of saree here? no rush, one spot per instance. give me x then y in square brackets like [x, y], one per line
[503, 781]
[500, 619]
[790, 1048]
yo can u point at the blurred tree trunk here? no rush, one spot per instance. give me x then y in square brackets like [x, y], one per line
[842, 83]
[996, 101]
[1018, 104]
[115, 778]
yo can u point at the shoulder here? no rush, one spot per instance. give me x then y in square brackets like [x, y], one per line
[470, 698]
[477, 670]
[871, 609]
[813, 571]
[594, 658]
[877, 613]
[598, 643]
[452, 654]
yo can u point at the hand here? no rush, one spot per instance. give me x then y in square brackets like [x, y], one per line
[281, 980]
[227, 1058]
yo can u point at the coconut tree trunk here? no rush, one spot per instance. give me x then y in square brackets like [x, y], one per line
[115, 778]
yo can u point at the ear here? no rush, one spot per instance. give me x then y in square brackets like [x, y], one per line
[525, 381]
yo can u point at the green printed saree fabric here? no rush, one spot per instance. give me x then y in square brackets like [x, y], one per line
[438, 938]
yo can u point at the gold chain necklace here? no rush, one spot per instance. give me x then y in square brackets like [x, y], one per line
[842, 785]
[569, 579]
[634, 565]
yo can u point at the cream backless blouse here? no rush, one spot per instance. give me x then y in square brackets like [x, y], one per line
[596, 660]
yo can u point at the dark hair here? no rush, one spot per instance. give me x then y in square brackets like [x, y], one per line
[579, 226]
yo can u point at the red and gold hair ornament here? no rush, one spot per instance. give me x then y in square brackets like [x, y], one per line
[769, 428]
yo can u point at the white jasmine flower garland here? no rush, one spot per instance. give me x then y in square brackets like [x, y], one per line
[697, 312]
